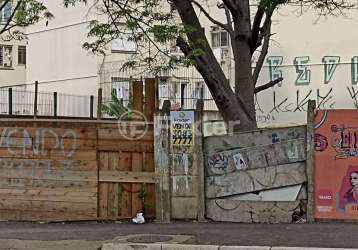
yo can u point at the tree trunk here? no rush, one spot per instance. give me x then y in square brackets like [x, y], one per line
[244, 84]
[232, 108]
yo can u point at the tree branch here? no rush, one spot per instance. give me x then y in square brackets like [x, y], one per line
[256, 27]
[263, 54]
[224, 26]
[183, 45]
[3, 4]
[229, 20]
[231, 5]
[268, 85]
[7, 26]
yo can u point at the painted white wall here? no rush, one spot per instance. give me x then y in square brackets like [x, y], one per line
[55, 55]
[17, 73]
[296, 35]
[307, 36]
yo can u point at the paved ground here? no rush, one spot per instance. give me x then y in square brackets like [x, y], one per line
[337, 235]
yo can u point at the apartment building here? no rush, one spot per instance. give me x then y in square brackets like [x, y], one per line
[12, 55]
[315, 55]
[55, 55]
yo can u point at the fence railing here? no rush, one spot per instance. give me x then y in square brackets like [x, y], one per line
[18, 101]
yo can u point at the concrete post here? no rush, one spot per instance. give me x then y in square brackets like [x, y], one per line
[310, 160]
[162, 163]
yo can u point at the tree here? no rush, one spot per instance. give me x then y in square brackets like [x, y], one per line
[149, 21]
[17, 14]
[116, 108]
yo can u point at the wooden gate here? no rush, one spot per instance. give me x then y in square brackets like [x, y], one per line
[126, 175]
[126, 160]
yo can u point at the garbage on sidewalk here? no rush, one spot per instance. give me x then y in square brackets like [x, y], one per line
[138, 219]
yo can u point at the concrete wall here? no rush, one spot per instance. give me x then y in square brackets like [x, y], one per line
[258, 176]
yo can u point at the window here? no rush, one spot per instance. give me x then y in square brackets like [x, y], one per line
[21, 59]
[123, 44]
[121, 88]
[5, 13]
[5, 56]
[219, 38]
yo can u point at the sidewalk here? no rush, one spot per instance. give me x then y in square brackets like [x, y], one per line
[319, 235]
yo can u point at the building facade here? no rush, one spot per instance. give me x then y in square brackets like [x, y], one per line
[12, 54]
[314, 63]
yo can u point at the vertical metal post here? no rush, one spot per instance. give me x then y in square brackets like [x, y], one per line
[55, 104]
[91, 106]
[35, 101]
[10, 101]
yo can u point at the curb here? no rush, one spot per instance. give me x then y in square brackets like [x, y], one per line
[162, 246]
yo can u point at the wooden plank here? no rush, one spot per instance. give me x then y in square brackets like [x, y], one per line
[125, 189]
[46, 216]
[44, 174]
[138, 96]
[113, 134]
[60, 206]
[112, 187]
[226, 210]
[50, 191]
[54, 184]
[68, 197]
[54, 154]
[114, 124]
[36, 165]
[150, 98]
[286, 152]
[125, 176]
[103, 187]
[215, 144]
[128, 146]
[255, 180]
[74, 131]
[150, 188]
[45, 194]
[137, 164]
[45, 122]
[42, 144]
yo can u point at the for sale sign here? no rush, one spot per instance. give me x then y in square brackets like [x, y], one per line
[182, 128]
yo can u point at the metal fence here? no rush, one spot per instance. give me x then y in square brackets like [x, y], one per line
[20, 100]
[183, 93]
[183, 86]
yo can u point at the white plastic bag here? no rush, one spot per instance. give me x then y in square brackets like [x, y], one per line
[138, 219]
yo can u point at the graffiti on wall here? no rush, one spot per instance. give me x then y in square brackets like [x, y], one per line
[28, 152]
[303, 71]
[331, 83]
[20, 141]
